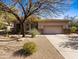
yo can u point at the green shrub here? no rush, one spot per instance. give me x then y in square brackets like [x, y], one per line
[2, 25]
[30, 47]
[66, 31]
[33, 35]
[73, 29]
[34, 32]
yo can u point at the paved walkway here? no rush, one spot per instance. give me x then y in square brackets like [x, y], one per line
[60, 42]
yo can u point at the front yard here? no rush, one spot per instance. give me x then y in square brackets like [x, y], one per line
[45, 50]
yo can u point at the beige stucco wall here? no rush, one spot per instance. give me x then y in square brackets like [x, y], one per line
[42, 24]
[52, 27]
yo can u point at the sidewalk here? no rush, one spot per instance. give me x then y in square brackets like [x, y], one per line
[57, 40]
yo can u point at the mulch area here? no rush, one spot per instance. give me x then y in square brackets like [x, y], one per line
[45, 49]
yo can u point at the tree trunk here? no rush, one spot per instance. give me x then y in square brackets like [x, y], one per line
[22, 29]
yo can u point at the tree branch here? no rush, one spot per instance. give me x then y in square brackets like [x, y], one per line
[23, 10]
[31, 12]
[7, 9]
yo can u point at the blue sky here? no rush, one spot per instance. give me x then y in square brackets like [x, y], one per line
[72, 11]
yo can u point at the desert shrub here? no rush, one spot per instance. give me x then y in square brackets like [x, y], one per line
[73, 29]
[30, 47]
[2, 25]
[66, 31]
[34, 32]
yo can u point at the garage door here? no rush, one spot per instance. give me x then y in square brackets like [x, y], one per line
[52, 30]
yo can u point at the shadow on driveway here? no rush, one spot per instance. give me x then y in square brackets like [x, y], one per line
[71, 43]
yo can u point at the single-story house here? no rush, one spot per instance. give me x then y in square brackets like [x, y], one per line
[49, 26]
[52, 26]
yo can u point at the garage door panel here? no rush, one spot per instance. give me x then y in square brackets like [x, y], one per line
[52, 29]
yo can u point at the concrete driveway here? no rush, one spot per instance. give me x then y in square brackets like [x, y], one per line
[65, 45]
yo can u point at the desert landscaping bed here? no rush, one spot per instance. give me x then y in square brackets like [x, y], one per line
[45, 49]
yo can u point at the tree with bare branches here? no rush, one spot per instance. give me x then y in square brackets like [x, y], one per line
[26, 8]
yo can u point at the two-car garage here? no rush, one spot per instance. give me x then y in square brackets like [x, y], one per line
[52, 26]
[52, 30]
